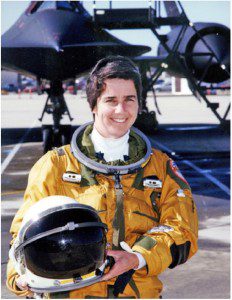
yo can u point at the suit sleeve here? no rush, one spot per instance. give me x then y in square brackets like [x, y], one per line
[41, 183]
[174, 240]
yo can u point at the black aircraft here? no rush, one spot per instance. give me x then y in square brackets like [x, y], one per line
[60, 40]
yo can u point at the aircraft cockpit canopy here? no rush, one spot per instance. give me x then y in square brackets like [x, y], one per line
[60, 5]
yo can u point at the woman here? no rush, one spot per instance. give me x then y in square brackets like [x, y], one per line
[139, 192]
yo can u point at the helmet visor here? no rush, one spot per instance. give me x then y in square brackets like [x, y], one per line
[65, 254]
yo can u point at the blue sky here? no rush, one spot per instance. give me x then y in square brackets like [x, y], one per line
[197, 11]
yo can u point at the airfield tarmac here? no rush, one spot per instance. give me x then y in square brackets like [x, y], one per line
[201, 150]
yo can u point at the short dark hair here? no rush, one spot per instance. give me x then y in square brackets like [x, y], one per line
[111, 67]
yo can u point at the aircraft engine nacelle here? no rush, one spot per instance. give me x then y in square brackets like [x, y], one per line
[206, 51]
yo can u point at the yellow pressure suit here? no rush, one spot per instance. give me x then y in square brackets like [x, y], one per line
[158, 222]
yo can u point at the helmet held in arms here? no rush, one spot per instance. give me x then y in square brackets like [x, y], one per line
[61, 245]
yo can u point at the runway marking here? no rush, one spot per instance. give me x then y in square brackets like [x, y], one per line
[211, 178]
[9, 207]
[16, 148]
[12, 193]
[18, 173]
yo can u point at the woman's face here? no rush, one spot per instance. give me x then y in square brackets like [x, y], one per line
[117, 108]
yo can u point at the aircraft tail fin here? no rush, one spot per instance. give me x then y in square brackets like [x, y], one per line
[171, 8]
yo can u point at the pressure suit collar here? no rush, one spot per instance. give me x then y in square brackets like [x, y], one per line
[108, 168]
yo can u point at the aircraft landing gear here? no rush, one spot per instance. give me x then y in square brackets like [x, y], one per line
[146, 120]
[55, 139]
[55, 135]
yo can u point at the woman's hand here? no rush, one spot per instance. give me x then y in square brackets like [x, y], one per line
[124, 261]
[22, 285]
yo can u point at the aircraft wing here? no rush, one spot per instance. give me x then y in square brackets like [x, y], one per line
[63, 62]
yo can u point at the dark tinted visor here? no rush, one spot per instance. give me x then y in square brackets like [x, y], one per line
[60, 218]
[67, 254]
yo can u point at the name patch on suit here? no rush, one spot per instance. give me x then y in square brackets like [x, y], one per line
[71, 177]
[152, 182]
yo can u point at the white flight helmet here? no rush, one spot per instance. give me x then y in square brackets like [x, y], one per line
[61, 246]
